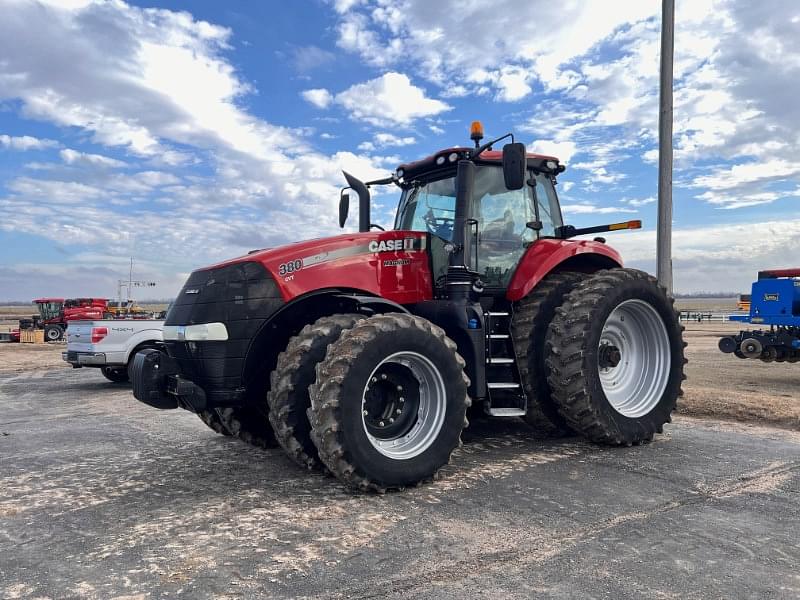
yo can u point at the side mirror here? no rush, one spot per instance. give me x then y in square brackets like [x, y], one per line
[344, 207]
[515, 164]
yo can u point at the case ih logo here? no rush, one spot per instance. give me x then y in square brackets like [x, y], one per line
[396, 245]
[771, 297]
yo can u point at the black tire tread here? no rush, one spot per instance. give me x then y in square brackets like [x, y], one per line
[249, 424]
[529, 323]
[566, 347]
[288, 397]
[115, 374]
[324, 413]
[212, 419]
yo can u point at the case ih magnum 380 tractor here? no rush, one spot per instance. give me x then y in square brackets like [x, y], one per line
[362, 353]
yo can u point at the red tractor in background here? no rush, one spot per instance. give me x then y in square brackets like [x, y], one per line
[362, 353]
[55, 313]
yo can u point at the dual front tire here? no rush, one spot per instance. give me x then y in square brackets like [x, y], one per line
[389, 403]
[379, 402]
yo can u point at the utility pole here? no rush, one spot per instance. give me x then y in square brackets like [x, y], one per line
[664, 231]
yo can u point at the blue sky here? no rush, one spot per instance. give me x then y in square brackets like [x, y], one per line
[185, 133]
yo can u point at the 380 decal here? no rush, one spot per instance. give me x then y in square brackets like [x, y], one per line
[290, 267]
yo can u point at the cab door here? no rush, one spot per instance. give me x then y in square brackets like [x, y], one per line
[503, 217]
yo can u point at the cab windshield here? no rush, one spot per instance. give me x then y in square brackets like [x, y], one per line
[502, 217]
[49, 310]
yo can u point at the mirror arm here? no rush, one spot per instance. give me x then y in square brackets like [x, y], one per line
[384, 181]
[487, 145]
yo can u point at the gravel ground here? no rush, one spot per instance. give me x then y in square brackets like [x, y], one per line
[105, 498]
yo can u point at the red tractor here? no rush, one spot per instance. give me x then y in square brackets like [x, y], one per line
[54, 313]
[362, 353]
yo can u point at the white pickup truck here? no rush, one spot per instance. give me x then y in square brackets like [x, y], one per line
[110, 344]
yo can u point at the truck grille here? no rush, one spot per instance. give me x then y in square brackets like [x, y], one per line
[242, 296]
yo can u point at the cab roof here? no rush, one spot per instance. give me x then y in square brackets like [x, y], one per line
[444, 159]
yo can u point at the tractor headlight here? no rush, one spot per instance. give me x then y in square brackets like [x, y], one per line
[453, 157]
[440, 160]
[205, 332]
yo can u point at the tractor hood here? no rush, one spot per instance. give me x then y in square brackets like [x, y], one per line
[393, 264]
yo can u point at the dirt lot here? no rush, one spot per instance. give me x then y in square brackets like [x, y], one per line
[723, 386]
[105, 498]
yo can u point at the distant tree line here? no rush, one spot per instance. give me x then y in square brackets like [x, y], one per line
[706, 295]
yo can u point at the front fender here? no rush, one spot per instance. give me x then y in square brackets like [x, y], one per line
[547, 255]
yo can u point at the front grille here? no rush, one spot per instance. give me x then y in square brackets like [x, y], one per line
[242, 296]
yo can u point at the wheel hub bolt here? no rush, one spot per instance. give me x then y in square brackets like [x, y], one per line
[391, 420]
[383, 376]
[401, 399]
[398, 411]
[381, 424]
[399, 388]
[366, 414]
[374, 380]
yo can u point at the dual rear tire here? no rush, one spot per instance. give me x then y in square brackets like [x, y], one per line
[614, 356]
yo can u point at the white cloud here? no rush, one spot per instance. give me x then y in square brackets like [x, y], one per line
[742, 174]
[157, 85]
[508, 41]
[587, 208]
[389, 99]
[26, 142]
[715, 257]
[564, 151]
[640, 201]
[385, 140]
[131, 77]
[319, 97]
[73, 157]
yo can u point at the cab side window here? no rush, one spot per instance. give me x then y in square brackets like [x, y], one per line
[549, 211]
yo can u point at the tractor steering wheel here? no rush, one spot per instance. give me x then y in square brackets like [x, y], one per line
[440, 226]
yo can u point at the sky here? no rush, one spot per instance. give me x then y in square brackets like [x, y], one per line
[185, 133]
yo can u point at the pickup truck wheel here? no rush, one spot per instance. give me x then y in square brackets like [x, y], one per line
[249, 424]
[115, 374]
[213, 420]
[295, 372]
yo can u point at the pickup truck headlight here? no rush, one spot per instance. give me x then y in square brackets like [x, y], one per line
[205, 332]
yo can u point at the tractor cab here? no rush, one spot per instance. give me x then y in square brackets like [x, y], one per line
[482, 208]
[50, 309]
[502, 222]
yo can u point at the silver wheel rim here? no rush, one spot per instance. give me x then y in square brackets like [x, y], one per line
[431, 408]
[635, 385]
